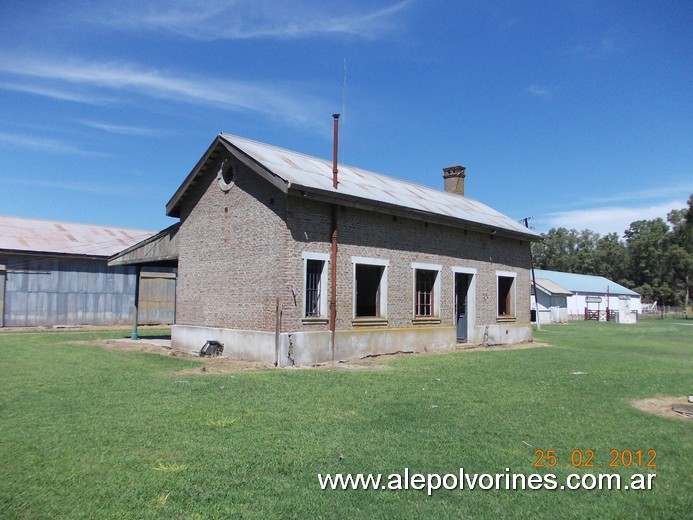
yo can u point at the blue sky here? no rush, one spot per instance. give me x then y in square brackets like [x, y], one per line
[578, 113]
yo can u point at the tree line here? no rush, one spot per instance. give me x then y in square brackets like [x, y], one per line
[654, 257]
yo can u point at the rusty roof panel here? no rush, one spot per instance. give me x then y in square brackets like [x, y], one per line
[311, 172]
[47, 236]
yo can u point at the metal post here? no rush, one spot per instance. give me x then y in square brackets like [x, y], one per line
[136, 305]
[534, 279]
[333, 240]
[3, 276]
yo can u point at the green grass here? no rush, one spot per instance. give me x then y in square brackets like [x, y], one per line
[87, 432]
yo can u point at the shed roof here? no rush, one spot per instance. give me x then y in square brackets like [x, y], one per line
[583, 283]
[552, 288]
[69, 238]
[160, 250]
[290, 170]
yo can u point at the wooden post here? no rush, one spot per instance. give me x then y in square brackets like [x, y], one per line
[277, 313]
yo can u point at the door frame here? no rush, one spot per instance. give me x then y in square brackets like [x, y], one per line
[471, 300]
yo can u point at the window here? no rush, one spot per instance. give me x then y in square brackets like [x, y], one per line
[370, 287]
[426, 290]
[506, 294]
[313, 273]
[315, 285]
[368, 278]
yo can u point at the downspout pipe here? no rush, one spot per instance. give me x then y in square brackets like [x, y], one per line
[333, 239]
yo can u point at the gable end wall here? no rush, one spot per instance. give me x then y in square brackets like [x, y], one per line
[230, 252]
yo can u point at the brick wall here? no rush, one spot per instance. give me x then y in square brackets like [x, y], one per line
[402, 241]
[241, 250]
[231, 249]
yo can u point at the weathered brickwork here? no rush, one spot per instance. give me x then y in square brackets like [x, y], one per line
[231, 253]
[240, 251]
[403, 241]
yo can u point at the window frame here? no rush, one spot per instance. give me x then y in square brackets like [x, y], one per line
[381, 319]
[511, 296]
[322, 302]
[436, 290]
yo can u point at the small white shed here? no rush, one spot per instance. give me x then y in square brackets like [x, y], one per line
[552, 300]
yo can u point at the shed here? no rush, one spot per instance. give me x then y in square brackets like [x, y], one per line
[552, 300]
[56, 273]
[584, 288]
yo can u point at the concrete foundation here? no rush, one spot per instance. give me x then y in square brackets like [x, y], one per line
[311, 348]
[501, 334]
[248, 345]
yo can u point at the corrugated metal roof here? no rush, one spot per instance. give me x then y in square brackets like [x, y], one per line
[584, 283]
[299, 170]
[49, 236]
[552, 288]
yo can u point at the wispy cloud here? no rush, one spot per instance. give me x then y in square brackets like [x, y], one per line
[248, 19]
[44, 145]
[78, 186]
[537, 90]
[609, 219]
[270, 99]
[55, 93]
[679, 189]
[119, 129]
[654, 195]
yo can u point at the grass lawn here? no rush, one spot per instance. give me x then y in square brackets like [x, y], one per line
[87, 432]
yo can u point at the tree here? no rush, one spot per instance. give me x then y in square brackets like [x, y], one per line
[611, 258]
[680, 252]
[556, 252]
[656, 259]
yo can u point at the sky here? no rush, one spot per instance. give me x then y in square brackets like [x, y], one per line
[576, 113]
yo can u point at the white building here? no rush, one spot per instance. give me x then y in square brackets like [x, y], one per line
[563, 296]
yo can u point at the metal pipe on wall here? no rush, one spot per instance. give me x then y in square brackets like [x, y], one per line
[333, 239]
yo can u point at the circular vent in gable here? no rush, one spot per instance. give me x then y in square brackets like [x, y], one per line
[226, 175]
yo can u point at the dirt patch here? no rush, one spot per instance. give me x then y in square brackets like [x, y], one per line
[141, 345]
[514, 346]
[216, 366]
[662, 406]
[224, 365]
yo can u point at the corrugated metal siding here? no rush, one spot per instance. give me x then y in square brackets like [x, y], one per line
[52, 291]
[45, 291]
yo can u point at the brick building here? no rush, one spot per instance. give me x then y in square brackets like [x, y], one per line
[283, 267]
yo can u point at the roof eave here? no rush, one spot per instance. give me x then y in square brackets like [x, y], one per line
[335, 197]
[173, 205]
[279, 182]
[54, 254]
[120, 259]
